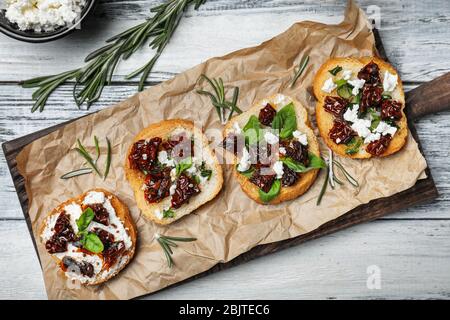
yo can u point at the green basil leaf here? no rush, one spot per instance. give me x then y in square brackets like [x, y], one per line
[92, 243]
[252, 130]
[335, 70]
[386, 96]
[248, 174]
[344, 91]
[183, 165]
[315, 162]
[85, 219]
[273, 192]
[169, 213]
[340, 82]
[354, 145]
[285, 121]
[196, 179]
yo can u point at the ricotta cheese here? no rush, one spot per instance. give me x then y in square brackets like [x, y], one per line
[301, 137]
[244, 163]
[357, 85]
[346, 74]
[389, 81]
[43, 15]
[278, 168]
[329, 85]
[270, 138]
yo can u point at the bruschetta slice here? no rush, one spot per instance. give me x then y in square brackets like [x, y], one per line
[172, 170]
[91, 237]
[276, 154]
[360, 107]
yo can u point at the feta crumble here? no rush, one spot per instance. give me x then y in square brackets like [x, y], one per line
[244, 163]
[270, 138]
[357, 85]
[278, 168]
[389, 81]
[301, 137]
[346, 74]
[329, 85]
[43, 15]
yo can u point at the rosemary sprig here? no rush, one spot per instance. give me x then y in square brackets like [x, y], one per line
[89, 160]
[101, 63]
[331, 178]
[76, 173]
[167, 242]
[298, 72]
[218, 99]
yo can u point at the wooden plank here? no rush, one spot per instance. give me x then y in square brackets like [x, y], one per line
[406, 27]
[413, 257]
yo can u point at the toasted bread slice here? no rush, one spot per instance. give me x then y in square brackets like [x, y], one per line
[306, 179]
[325, 119]
[121, 226]
[208, 189]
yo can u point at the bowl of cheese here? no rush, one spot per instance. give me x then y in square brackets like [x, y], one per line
[42, 20]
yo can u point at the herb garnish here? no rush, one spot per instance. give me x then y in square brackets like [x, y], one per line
[285, 121]
[89, 240]
[335, 70]
[92, 162]
[101, 63]
[298, 72]
[219, 100]
[273, 192]
[354, 145]
[167, 242]
[252, 130]
[315, 162]
[168, 213]
[205, 173]
[331, 178]
[183, 165]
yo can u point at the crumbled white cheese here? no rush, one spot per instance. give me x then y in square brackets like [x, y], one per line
[94, 197]
[329, 85]
[301, 137]
[43, 15]
[144, 156]
[384, 128]
[173, 174]
[357, 85]
[172, 189]
[278, 168]
[372, 137]
[346, 74]
[163, 159]
[362, 127]
[48, 231]
[244, 163]
[351, 114]
[282, 150]
[389, 81]
[270, 138]
[237, 128]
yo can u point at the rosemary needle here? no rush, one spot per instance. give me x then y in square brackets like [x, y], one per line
[108, 159]
[167, 242]
[299, 70]
[76, 173]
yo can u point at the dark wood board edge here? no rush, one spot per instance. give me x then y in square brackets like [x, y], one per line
[423, 191]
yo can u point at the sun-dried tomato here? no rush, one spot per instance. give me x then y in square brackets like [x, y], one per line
[144, 153]
[101, 215]
[370, 73]
[296, 151]
[185, 189]
[267, 114]
[290, 177]
[84, 268]
[335, 105]
[341, 132]
[370, 97]
[379, 146]
[391, 110]
[262, 181]
[63, 234]
[113, 252]
[105, 237]
[157, 185]
[180, 146]
[260, 154]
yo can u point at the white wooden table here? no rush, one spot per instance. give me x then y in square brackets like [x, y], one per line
[411, 248]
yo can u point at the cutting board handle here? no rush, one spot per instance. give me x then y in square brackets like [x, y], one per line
[428, 98]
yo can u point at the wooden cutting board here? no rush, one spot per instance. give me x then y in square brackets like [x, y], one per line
[428, 98]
